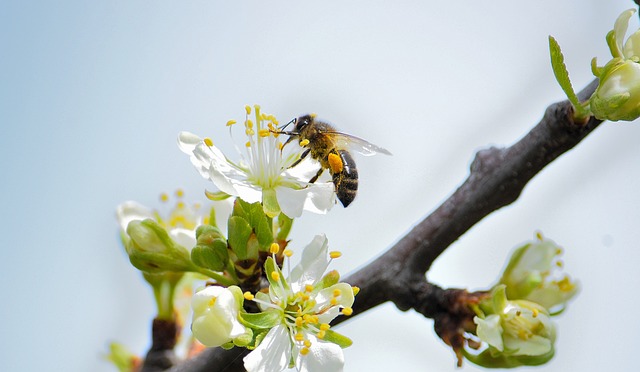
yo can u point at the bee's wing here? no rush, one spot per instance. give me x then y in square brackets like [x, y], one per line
[358, 144]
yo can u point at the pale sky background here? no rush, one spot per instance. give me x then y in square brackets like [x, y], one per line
[94, 93]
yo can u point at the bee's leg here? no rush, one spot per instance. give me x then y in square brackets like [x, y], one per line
[304, 155]
[315, 178]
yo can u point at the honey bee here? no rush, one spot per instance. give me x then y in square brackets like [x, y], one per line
[330, 148]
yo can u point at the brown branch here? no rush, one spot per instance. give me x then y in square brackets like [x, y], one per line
[496, 179]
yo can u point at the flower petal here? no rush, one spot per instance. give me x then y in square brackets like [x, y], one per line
[184, 237]
[273, 353]
[314, 262]
[490, 331]
[130, 211]
[322, 356]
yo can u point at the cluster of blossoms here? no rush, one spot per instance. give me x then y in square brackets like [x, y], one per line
[254, 298]
[617, 96]
[286, 324]
[515, 320]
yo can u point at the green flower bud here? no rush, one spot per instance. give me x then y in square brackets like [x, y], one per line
[618, 95]
[151, 250]
[210, 251]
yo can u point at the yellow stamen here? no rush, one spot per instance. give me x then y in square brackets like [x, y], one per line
[180, 205]
[535, 312]
[288, 252]
[247, 109]
[264, 133]
[336, 292]
[539, 236]
[356, 290]
[307, 343]
[179, 193]
[248, 296]
[256, 107]
[308, 288]
[207, 141]
[231, 122]
[248, 124]
[321, 334]
[249, 132]
[335, 254]
[324, 326]
[274, 248]
[304, 142]
[335, 163]
[299, 337]
[248, 144]
[280, 146]
[347, 311]
[304, 351]
[275, 276]
[299, 321]
[333, 301]
[164, 197]
[212, 301]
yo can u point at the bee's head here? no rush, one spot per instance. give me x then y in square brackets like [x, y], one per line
[303, 121]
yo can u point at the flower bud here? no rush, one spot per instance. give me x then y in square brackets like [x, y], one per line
[215, 315]
[533, 274]
[150, 248]
[618, 95]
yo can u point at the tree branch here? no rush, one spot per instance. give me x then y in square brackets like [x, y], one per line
[496, 179]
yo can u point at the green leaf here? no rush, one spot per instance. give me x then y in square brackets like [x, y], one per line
[263, 320]
[216, 196]
[561, 73]
[262, 225]
[239, 233]
[492, 358]
[338, 339]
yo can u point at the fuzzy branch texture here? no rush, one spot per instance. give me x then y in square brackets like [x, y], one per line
[497, 177]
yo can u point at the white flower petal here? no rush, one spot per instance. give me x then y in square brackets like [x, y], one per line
[534, 345]
[620, 27]
[130, 211]
[291, 201]
[273, 353]
[323, 301]
[184, 237]
[322, 356]
[490, 331]
[313, 264]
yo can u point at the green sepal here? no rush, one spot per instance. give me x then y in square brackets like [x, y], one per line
[601, 107]
[270, 267]
[211, 250]
[216, 196]
[239, 232]
[284, 227]
[244, 339]
[263, 320]
[262, 225]
[492, 358]
[228, 345]
[121, 357]
[270, 204]
[562, 76]
[337, 338]
[329, 279]
[259, 336]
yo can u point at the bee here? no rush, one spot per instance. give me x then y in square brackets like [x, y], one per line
[330, 148]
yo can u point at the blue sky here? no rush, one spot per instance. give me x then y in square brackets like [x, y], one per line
[93, 95]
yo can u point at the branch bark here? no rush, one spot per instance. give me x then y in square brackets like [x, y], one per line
[496, 179]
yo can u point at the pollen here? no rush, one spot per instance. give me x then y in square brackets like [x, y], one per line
[335, 163]
[308, 288]
[212, 301]
[288, 252]
[307, 343]
[247, 109]
[324, 326]
[333, 301]
[321, 334]
[207, 141]
[248, 296]
[264, 133]
[231, 122]
[275, 276]
[164, 197]
[356, 290]
[248, 144]
[313, 115]
[336, 293]
[304, 351]
[299, 337]
[347, 311]
[274, 248]
[249, 132]
[304, 142]
[535, 313]
[335, 254]
[299, 321]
